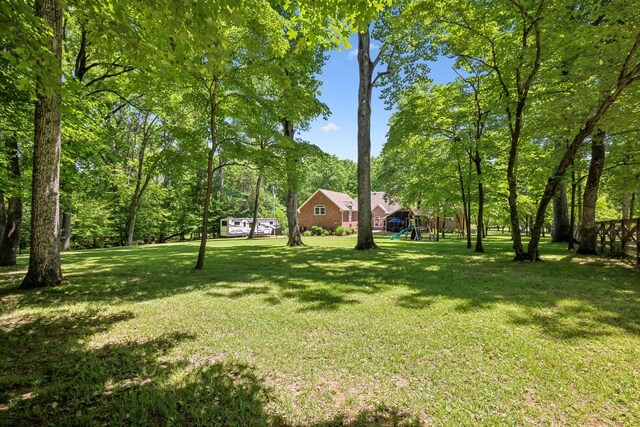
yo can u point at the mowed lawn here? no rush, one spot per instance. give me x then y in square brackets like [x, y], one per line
[414, 333]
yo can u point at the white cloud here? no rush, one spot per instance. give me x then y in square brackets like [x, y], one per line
[330, 127]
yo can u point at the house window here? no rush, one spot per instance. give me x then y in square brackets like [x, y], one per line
[377, 221]
[319, 210]
[224, 223]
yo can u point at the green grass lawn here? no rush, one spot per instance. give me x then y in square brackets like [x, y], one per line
[415, 333]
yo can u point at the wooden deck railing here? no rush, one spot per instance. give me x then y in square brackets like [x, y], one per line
[620, 238]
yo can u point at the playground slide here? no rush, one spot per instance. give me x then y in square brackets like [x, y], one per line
[400, 233]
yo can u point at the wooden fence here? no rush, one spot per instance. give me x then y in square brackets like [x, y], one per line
[620, 238]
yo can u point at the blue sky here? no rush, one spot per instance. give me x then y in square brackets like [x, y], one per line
[338, 134]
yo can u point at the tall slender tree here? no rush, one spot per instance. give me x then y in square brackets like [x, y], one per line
[365, 86]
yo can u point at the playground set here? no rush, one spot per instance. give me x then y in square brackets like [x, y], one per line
[416, 230]
[413, 232]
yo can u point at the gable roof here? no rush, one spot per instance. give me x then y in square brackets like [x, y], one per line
[343, 201]
[378, 199]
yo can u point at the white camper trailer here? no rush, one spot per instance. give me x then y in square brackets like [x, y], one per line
[240, 227]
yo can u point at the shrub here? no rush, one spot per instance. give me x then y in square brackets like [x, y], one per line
[326, 233]
[317, 230]
[339, 231]
[306, 233]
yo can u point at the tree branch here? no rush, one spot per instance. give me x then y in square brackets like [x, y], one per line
[109, 75]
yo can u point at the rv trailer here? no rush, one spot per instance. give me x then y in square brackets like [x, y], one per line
[240, 227]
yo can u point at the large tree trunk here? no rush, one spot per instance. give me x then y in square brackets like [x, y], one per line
[207, 197]
[44, 255]
[588, 231]
[365, 65]
[254, 224]
[295, 238]
[561, 226]
[10, 238]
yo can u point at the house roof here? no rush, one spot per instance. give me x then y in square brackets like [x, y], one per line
[346, 203]
[343, 201]
[378, 199]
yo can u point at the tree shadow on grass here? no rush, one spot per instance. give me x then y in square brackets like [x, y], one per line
[328, 278]
[50, 376]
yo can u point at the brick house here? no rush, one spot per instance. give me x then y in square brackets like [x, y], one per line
[329, 210]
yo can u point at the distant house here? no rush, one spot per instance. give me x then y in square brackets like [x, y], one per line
[381, 209]
[330, 209]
